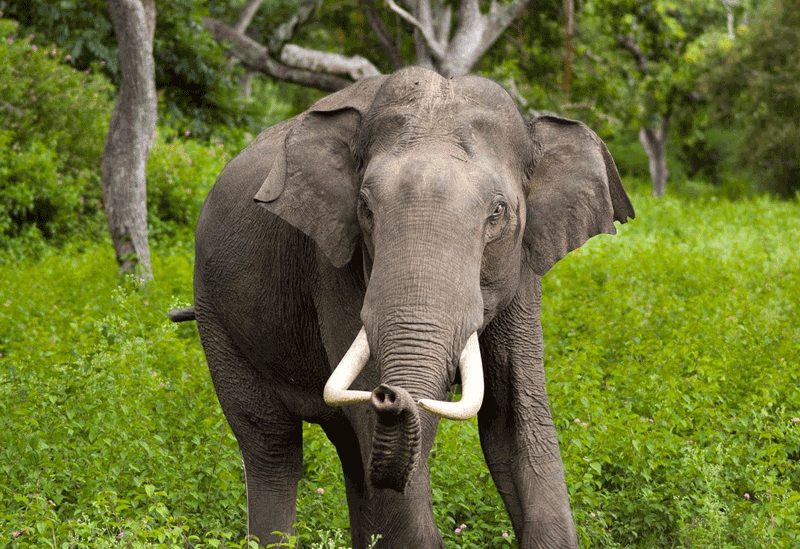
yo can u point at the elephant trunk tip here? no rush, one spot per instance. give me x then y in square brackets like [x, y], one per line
[396, 441]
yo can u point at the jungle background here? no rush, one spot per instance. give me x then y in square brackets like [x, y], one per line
[672, 349]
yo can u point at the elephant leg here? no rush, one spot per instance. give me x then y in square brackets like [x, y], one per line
[398, 519]
[516, 428]
[270, 438]
[344, 438]
[406, 520]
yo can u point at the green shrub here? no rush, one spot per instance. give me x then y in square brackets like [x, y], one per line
[95, 385]
[180, 172]
[53, 122]
[630, 157]
[199, 88]
[672, 362]
[755, 86]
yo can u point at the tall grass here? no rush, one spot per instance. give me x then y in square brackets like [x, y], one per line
[672, 354]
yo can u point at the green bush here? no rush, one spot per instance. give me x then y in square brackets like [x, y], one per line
[180, 172]
[755, 86]
[199, 89]
[53, 121]
[672, 360]
[629, 156]
[111, 409]
[53, 124]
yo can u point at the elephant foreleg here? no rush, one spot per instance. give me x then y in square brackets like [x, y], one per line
[342, 435]
[270, 438]
[517, 431]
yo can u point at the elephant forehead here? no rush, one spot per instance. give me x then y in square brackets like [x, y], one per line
[475, 131]
[442, 174]
[424, 92]
[413, 104]
[418, 110]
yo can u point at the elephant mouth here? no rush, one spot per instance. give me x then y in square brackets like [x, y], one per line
[337, 392]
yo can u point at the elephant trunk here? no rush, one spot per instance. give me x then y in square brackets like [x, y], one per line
[396, 445]
[396, 440]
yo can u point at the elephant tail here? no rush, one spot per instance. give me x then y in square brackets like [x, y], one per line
[182, 315]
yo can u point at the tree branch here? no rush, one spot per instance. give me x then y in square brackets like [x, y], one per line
[475, 33]
[248, 11]
[11, 108]
[255, 57]
[245, 17]
[384, 36]
[502, 15]
[443, 20]
[285, 30]
[320, 61]
[629, 44]
[594, 57]
[436, 48]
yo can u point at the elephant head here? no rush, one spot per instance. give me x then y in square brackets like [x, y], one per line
[449, 194]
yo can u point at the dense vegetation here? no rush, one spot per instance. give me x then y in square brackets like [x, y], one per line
[672, 356]
[761, 100]
[53, 121]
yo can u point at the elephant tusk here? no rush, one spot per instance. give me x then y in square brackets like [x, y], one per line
[336, 391]
[471, 386]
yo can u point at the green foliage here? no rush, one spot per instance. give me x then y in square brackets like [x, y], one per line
[81, 29]
[112, 435]
[672, 360]
[616, 93]
[528, 56]
[53, 121]
[672, 355]
[756, 86]
[666, 34]
[198, 88]
[180, 173]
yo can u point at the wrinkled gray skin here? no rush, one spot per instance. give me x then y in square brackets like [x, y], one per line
[424, 209]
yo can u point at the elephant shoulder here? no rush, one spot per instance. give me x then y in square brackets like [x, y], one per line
[229, 212]
[232, 193]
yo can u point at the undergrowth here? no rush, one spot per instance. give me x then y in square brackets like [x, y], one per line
[672, 354]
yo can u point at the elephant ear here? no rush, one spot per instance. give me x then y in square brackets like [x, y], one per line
[312, 182]
[575, 191]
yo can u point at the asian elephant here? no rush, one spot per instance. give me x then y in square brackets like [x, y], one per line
[357, 261]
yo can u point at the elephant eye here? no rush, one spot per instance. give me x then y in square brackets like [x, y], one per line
[497, 214]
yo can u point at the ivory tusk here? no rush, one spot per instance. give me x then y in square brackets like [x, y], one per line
[471, 386]
[336, 391]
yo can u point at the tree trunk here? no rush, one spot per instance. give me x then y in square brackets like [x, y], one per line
[654, 141]
[130, 136]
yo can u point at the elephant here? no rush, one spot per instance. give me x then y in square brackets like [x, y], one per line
[357, 261]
